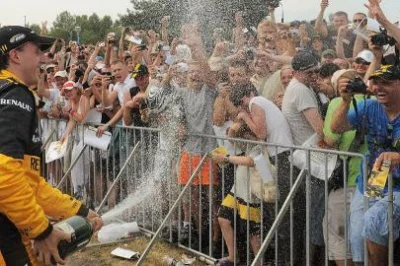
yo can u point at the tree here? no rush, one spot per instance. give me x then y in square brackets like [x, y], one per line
[36, 28]
[93, 28]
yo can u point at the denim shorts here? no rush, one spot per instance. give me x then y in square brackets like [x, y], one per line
[373, 224]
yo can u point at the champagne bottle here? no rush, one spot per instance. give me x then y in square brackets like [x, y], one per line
[81, 231]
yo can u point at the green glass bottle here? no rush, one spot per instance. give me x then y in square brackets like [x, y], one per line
[81, 231]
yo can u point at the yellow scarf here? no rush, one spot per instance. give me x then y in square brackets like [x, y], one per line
[5, 74]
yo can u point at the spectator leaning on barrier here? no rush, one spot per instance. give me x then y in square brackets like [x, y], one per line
[25, 197]
[302, 110]
[380, 118]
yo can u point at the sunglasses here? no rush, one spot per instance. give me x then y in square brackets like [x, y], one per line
[50, 70]
[312, 71]
[362, 62]
[357, 20]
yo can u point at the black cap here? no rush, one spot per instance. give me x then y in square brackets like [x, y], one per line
[387, 72]
[139, 70]
[12, 37]
[303, 61]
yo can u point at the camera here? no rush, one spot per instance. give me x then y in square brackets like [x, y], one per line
[357, 85]
[250, 54]
[382, 39]
[142, 47]
[273, 3]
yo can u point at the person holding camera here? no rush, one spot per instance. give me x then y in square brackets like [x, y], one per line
[380, 119]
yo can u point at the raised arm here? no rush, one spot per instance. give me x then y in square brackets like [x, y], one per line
[320, 26]
[377, 13]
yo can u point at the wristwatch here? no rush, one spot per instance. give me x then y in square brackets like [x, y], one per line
[226, 159]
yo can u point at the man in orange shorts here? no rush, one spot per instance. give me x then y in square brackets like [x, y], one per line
[198, 100]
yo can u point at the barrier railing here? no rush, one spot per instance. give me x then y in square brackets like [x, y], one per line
[145, 171]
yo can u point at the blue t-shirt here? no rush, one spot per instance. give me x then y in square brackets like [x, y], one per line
[382, 134]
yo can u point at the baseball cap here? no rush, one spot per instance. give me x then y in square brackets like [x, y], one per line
[387, 72]
[69, 85]
[139, 70]
[61, 74]
[303, 61]
[366, 55]
[12, 37]
[316, 36]
[328, 52]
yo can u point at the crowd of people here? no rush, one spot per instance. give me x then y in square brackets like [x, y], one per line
[281, 83]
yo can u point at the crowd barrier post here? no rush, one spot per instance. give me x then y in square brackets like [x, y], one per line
[117, 178]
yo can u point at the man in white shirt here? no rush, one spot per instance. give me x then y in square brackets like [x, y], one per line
[124, 83]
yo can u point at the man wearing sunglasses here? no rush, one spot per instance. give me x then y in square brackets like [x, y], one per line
[362, 62]
[382, 122]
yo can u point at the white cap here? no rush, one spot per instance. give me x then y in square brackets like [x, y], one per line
[50, 66]
[367, 55]
[61, 74]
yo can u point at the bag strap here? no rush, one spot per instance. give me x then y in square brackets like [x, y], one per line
[359, 139]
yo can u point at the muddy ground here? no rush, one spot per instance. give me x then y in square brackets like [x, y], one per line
[101, 255]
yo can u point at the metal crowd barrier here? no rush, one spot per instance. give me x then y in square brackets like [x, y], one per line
[136, 161]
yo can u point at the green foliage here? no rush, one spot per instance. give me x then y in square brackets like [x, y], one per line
[35, 27]
[93, 28]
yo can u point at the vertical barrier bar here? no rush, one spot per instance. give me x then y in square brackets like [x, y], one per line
[326, 211]
[211, 211]
[308, 206]
[248, 212]
[346, 231]
[291, 210]
[276, 210]
[390, 219]
[234, 212]
[366, 206]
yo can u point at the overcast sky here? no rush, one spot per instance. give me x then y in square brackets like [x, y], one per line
[41, 10]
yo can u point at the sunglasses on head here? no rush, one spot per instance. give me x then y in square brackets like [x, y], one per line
[362, 62]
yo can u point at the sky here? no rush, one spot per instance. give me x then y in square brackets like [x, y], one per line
[47, 10]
